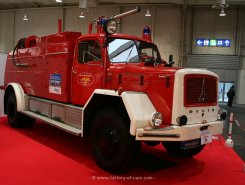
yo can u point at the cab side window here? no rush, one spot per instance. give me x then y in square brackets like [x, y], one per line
[89, 51]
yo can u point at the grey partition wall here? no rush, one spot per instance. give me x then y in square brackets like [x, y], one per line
[3, 58]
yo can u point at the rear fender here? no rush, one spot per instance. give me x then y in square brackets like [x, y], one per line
[19, 95]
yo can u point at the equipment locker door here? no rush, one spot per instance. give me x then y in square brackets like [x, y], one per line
[87, 71]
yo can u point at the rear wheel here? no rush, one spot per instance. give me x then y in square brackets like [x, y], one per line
[16, 119]
[112, 145]
[174, 148]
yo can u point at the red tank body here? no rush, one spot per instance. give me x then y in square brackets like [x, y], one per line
[52, 54]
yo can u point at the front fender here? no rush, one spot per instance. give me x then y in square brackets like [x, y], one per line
[139, 108]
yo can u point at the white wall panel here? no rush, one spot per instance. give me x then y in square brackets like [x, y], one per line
[242, 22]
[241, 73]
[6, 31]
[213, 61]
[240, 87]
[3, 58]
[226, 75]
[168, 31]
[41, 22]
[72, 22]
[208, 24]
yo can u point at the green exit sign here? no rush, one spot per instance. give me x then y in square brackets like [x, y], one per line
[213, 42]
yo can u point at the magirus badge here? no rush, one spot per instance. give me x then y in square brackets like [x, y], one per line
[203, 96]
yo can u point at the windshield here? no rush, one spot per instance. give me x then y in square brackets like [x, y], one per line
[125, 50]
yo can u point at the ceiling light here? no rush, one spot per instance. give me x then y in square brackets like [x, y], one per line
[148, 14]
[222, 13]
[82, 15]
[25, 18]
[59, 1]
[221, 4]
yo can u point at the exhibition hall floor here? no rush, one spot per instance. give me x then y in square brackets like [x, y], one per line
[43, 155]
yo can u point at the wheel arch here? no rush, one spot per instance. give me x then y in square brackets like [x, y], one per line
[19, 95]
[134, 106]
[100, 101]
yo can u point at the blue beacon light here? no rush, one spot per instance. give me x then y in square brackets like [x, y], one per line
[146, 33]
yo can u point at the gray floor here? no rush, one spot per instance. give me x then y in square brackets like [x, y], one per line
[238, 134]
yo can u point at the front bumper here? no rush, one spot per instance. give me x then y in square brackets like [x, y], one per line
[178, 133]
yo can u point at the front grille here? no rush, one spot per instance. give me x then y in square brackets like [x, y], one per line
[200, 90]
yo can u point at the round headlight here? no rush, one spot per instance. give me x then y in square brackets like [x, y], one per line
[156, 119]
[111, 27]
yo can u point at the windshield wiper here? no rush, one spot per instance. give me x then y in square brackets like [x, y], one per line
[129, 54]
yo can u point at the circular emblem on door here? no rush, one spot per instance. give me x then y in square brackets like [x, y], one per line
[85, 79]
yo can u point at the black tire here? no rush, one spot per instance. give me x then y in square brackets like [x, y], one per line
[113, 147]
[16, 119]
[174, 148]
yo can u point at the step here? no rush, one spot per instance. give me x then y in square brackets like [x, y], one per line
[54, 123]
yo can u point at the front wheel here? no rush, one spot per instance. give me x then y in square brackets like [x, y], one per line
[112, 145]
[174, 148]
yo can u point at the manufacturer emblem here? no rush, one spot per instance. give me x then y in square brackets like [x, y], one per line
[203, 96]
[85, 79]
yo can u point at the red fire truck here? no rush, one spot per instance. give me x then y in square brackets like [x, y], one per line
[114, 89]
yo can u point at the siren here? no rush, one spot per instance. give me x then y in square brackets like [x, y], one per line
[146, 33]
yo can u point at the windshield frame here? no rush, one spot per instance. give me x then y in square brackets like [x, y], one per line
[136, 44]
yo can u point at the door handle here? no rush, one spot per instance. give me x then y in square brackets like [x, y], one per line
[74, 71]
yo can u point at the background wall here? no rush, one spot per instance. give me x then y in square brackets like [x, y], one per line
[41, 22]
[72, 22]
[3, 58]
[165, 22]
[208, 24]
[175, 29]
[7, 30]
[228, 62]
[241, 49]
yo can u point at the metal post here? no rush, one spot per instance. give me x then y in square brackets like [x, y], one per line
[229, 141]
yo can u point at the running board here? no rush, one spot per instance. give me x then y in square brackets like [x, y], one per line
[54, 123]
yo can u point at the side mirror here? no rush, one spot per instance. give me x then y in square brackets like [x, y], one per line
[149, 60]
[170, 61]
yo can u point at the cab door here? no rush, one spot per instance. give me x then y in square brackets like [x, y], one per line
[87, 71]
